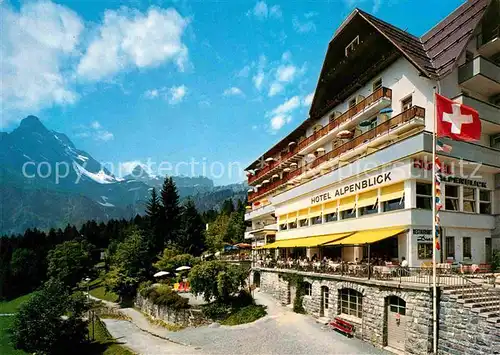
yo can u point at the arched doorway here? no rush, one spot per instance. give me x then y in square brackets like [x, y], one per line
[256, 278]
[396, 322]
[325, 301]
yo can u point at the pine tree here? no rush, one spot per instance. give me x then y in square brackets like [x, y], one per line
[227, 207]
[170, 223]
[154, 235]
[191, 239]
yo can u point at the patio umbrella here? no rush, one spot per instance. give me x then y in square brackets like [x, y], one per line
[182, 268]
[161, 273]
[345, 134]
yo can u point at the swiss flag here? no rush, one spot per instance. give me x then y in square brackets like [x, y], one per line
[457, 121]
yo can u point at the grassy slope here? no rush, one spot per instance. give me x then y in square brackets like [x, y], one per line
[97, 290]
[5, 322]
[13, 305]
[5, 346]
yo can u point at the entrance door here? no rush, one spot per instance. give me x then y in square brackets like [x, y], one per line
[325, 295]
[293, 292]
[488, 249]
[396, 323]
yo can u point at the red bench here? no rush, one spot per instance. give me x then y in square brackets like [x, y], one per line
[342, 326]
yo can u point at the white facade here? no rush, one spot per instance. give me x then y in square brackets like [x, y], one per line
[468, 223]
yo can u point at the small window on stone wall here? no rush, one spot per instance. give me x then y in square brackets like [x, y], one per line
[351, 302]
[308, 289]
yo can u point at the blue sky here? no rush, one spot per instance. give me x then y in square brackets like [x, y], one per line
[213, 81]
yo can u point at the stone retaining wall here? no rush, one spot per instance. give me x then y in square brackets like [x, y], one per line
[184, 318]
[372, 327]
[462, 331]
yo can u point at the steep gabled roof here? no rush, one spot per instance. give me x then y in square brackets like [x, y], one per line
[446, 41]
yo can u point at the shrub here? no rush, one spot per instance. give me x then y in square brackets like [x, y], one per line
[165, 296]
[495, 261]
[246, 314]
[243, 299]
[215, 310]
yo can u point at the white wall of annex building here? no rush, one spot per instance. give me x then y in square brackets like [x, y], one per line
[404, 80]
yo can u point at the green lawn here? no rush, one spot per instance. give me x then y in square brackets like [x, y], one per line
[104, 342]
[5, 347]
[97, 290]
[13, 305]
[244, 315]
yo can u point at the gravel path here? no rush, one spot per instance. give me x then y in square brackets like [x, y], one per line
[281, 332]
[141, 342]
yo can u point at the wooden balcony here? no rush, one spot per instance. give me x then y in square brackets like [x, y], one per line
[350, 117]
[386, 132]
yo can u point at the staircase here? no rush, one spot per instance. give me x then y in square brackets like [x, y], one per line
[485, 302]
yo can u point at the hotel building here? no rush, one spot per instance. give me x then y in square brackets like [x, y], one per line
[355, 176]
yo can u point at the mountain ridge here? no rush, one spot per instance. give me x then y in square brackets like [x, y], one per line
[38, 165]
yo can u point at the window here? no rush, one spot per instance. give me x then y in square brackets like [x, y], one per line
[424, 196]
[406, 103]
[351, 46]
[469, 199]
[485, 201]
[395, 204]
[351, 302]
[450, 247]
[469, 56]
[451, 198]
[369, 209]
[283, 227]
[352, 103]
[424, 250]
[331, 217]
[326, 296]
[467, 251]
[316, 220]
[488, 250]
[348, 214]
[304, 222]
[377, 84]
[397, 305]
[308, 289]
[292, 225]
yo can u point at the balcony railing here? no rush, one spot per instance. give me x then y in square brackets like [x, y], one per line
[332, 125]
[381, 129]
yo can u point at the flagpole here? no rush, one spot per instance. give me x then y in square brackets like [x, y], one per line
[434, 288]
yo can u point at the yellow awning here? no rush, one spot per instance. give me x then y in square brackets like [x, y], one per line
[367, 237]
[315, 211]
[303, 212]
[330, 207]
[347, 203]
[392, 192]
[367, 199]
[282, 219]
[305, 242]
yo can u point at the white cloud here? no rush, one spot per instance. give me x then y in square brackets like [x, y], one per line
[288, 106]
[177, 94]
[307, 101]
[258, 80]
[96, 131]
[286, 73]
[38, 43]
[303, 27]
[128, 38]
[282, 114]
[275, 89]
[244, 72]
[275, 11]
[126, 167]
[262, 11]
[152, 93]
[233, 91]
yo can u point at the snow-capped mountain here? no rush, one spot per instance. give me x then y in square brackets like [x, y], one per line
[45, 181]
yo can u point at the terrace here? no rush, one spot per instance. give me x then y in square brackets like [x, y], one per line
[364, 109]
[387, 132]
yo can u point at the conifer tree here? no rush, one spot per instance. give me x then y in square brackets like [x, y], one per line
[154, 234]
[170, 223]
[191, 239]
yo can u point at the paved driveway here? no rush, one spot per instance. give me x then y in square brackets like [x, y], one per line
[280, 332]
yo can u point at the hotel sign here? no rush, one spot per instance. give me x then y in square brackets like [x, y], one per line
[423, 235]
[354, 187]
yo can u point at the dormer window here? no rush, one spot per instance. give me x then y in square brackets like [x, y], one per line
[377, 84]
[351, 46]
